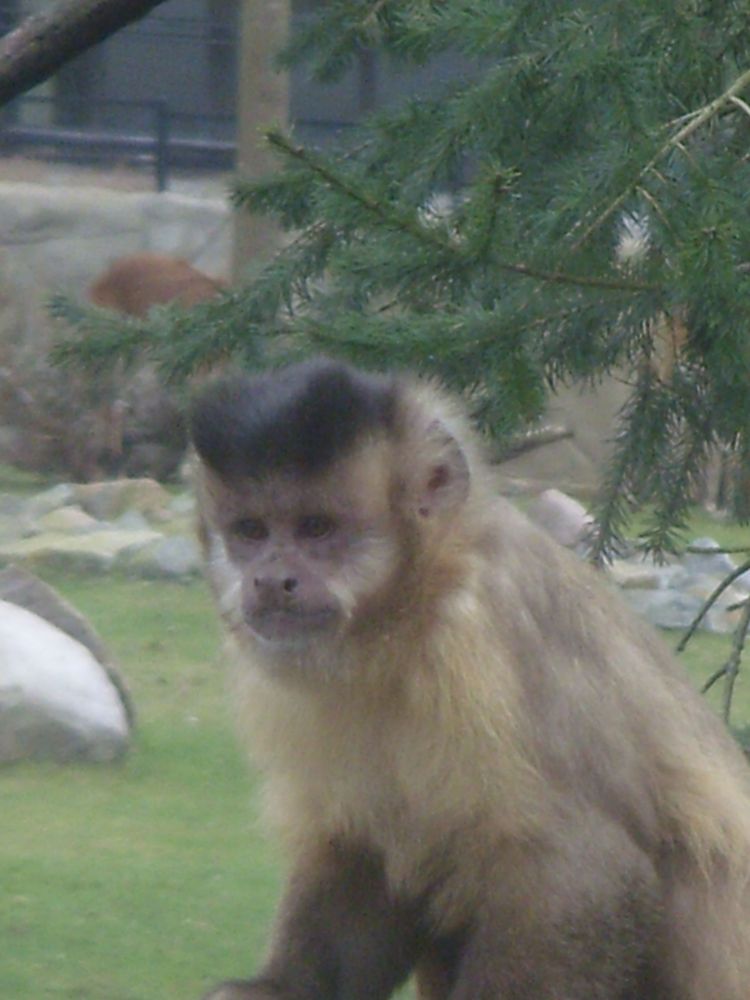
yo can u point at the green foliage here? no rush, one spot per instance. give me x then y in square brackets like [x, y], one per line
[564, 210]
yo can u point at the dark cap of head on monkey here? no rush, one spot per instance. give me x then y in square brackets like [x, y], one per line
[301, 417]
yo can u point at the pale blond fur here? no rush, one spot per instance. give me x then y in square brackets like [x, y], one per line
[489, 708]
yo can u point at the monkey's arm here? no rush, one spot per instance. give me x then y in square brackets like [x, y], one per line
[340, 935]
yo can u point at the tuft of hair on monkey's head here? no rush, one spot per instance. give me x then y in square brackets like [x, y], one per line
[321, 488]
[299, 418]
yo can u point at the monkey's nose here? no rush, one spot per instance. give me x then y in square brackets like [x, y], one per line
[270, 584]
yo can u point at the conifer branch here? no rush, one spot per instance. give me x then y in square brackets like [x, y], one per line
[398, 220]
[581, 280]
[431, 235]
[371, 15]
[742, 105]
[697, 120]
[733, 663]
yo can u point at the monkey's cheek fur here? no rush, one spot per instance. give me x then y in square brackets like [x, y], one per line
[292, 627]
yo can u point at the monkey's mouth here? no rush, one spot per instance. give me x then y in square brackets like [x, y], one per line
[292, 625]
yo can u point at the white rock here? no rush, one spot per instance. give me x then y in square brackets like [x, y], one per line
[56, 700]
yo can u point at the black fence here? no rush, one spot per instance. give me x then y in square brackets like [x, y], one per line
[135, 133]
[161, 93]
[178, 67]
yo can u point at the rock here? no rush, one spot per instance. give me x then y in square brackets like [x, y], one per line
[12, 527]
[642, 573]
[182, 504]
[57, 496]
[71, 519]
[716, 563]
[561, 516]
[634, 576]
[56, 701]
[175, 557]
[725, 612]
[11, 505]
[109, 500]
[670, 609]
[132, 520]
[96, 552]
[22, 588]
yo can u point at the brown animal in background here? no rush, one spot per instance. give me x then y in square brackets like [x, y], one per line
[135, 283]
[485, 768]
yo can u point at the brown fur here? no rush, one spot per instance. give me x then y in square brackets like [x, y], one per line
[136, 283]
[490, 773]
[133, 285]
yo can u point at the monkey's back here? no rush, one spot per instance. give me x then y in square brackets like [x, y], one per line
[616, 725]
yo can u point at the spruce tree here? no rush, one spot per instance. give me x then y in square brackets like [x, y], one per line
[575, 206]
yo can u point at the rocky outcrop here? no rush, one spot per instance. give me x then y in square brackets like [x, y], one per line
[133, 525]
[671, 594]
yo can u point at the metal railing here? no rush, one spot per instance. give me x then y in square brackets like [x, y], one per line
[154, 139]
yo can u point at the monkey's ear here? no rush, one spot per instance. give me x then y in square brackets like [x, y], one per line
[441, 473]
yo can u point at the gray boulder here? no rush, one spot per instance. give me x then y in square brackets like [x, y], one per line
[56, 700]
[669, 609]
[176, 557]
[109, 500]
[709, 559]
[96, 552]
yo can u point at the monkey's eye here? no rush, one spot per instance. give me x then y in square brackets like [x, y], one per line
[315, 526]
[250, 529]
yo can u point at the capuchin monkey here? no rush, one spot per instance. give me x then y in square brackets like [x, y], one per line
[486, 771]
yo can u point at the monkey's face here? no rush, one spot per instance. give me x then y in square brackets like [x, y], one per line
[286, 582]
[303, 559]
[324, 492]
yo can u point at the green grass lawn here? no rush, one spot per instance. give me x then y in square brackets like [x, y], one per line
[148, 880]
